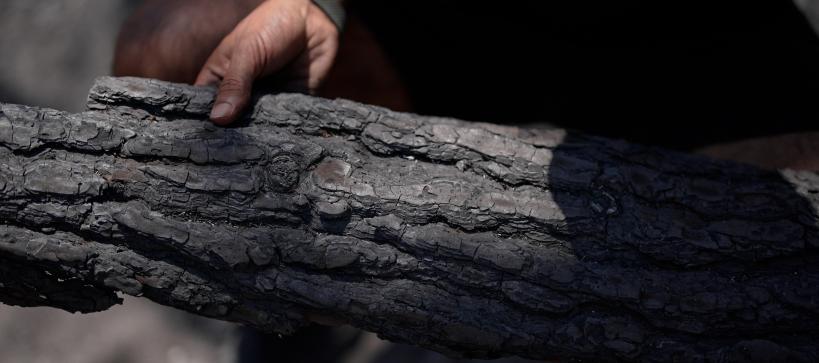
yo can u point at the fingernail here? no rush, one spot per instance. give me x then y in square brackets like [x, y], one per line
[221, 110]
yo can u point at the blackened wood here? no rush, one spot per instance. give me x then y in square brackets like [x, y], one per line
[471, 239]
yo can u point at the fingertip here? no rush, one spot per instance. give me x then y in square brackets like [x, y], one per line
[223, 113]
[231, 99]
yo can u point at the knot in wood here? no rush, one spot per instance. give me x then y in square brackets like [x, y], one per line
[282, 173]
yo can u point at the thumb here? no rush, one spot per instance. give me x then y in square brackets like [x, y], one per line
[234, 91]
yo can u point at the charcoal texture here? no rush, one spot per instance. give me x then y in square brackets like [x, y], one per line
[471, 239]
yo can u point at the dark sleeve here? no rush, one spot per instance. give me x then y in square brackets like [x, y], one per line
[334, 10]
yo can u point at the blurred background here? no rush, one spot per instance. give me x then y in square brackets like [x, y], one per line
[51, 52]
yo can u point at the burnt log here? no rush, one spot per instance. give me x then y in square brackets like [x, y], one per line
[471, 239]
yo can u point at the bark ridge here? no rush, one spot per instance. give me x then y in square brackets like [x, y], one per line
[468, 238]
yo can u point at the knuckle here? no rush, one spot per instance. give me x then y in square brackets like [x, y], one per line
[233, 85]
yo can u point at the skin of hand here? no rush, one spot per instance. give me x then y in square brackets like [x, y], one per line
[293, 38]
[171, 39]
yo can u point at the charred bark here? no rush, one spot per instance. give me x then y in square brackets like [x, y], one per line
[466, 238]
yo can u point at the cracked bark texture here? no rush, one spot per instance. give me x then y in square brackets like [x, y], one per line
[467, 238]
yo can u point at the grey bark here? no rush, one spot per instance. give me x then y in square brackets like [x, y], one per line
[471, 239]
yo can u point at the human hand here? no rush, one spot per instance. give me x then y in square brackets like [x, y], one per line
[171, 40]
[292, 36]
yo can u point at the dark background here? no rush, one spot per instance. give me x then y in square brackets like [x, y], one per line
[679, 74]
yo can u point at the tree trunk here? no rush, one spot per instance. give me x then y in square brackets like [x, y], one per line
[471, 239]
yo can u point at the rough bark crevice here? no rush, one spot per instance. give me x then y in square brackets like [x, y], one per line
[467, 238]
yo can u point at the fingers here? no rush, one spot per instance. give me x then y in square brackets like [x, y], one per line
[217, 63]
[320, 67]
[231, 70]
[271, 37]
[312, 67]
[208, 76]
[322, 49]
[234, 90]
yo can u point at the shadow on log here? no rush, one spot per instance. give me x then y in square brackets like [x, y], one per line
[467, 238]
